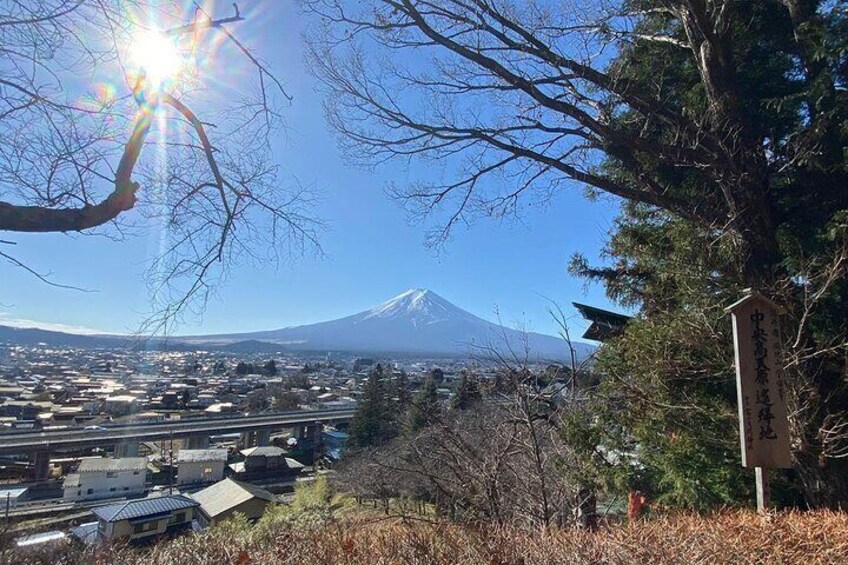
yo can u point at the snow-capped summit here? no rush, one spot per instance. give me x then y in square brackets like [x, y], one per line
[419, 306]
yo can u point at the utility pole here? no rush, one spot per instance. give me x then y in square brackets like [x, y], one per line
[171, 464]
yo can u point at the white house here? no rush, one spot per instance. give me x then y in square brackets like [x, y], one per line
[201, 465]
[106, 478]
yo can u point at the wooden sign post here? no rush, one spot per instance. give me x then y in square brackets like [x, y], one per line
[763, 425]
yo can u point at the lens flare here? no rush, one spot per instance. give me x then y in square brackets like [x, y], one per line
[157, 56]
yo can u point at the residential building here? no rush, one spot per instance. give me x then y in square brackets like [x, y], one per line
[106, 478]
[223, 499]
[334, 442]
[200, 465]
[135, 520]
[120, 404]
[265, 461]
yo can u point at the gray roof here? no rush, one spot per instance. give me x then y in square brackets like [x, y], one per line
[13, 492]
[143, 508]
[227, 494]
[267, 451]
[190, 455]
[104, 464]
[294, 464]
[86, 532]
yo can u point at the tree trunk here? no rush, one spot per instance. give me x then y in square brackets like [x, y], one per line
[587, 512]
[825, 480]
[820, 385]
[823, 474]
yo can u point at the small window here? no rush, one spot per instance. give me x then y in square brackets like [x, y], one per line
[136, 472]
[126, 488]
[90, 491]
[111, 474]
[113, 489]
[79, 493]
[145, 527]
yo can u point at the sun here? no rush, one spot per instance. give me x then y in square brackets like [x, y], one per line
[156, 54]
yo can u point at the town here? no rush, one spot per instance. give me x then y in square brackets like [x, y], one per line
[90, 484]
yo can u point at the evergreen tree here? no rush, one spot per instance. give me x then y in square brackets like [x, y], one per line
[425, 407]
[270, 368]
[721, 126]
[402, 395]
[376, 419]
[438, 375]
[467, 393]
[245, 368]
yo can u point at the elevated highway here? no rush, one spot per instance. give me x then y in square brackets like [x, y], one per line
[29, 441]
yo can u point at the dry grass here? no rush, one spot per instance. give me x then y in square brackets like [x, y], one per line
[724, 537]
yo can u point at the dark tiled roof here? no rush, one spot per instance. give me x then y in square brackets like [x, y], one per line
[605, 324]
[144, 507]
[267, 451]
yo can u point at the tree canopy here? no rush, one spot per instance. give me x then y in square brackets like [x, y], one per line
[95, 141]
[720, 127]
[378, 415]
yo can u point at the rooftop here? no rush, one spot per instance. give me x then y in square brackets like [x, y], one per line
[290, 463]
[11, 493]
[143, 508]
[189, 455]
[227, 494]
[266, 451]
[110, 465]
[605, 324]
[86, 533]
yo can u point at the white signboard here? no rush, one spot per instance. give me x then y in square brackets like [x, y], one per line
[763, 426]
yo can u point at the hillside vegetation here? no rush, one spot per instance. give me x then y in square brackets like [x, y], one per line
[723, 537]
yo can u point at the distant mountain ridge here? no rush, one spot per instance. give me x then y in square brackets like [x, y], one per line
[418, 321]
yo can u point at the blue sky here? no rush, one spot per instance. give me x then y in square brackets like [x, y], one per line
[372, 250]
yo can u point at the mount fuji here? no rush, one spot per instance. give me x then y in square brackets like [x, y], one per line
[418, 321]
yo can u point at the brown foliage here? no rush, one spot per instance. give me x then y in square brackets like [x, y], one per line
[724, 537]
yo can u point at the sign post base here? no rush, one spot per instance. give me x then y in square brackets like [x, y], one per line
[763, 492]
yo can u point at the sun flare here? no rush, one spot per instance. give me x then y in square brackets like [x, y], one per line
[157, 56]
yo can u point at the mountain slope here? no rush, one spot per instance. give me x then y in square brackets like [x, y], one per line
[35, 336]
[416, 321]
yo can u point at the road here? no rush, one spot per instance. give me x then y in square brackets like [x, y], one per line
[25, 442]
